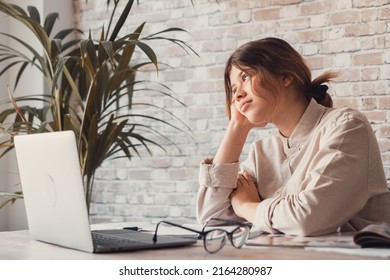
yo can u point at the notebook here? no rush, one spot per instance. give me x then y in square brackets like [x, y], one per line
[55, 201]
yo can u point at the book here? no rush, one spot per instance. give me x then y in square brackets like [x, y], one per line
[280, 240]
[374, 236]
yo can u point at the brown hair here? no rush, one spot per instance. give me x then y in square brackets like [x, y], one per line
[273, 57]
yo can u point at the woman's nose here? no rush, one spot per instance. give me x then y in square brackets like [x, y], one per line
[240, 93]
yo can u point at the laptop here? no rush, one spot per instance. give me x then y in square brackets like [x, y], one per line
[55, 203]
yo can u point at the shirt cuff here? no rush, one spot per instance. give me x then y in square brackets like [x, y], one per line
[263, 217]
[222, 175]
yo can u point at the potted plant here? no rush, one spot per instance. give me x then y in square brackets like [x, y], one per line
[91, 85]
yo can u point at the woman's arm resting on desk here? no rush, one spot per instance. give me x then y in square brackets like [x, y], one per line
[245, 198]
[217, 181]
[218, 175]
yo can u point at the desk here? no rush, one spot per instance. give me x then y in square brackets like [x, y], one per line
[17, 245]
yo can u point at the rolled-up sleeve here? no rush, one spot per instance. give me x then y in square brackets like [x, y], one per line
[216, 182]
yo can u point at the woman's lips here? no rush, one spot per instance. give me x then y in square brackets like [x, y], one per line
[245, 105]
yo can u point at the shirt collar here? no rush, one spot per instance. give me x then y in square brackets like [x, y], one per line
[309, 120]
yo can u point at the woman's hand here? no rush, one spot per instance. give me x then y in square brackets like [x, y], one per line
[237, 131]
[245, 198]
[240, 119]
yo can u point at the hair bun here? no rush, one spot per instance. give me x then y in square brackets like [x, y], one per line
[318, 92]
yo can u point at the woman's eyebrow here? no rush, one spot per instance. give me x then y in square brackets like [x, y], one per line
[239, 74]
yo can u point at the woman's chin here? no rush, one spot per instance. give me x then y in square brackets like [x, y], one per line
[258, 124]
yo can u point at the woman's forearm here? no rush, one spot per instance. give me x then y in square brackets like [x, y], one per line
[232, 144]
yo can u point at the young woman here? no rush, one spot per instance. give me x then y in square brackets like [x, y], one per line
[322, 173]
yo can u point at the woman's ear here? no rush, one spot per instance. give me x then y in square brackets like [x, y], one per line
[287, 80]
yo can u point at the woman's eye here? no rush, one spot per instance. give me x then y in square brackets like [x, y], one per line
[245, 77]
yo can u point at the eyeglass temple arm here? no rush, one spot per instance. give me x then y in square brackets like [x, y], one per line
[172, 224]
[230, 222]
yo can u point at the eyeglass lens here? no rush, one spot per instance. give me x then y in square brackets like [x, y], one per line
[239, 236]
[216, 239]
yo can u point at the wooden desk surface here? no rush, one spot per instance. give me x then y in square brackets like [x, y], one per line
[16, 245]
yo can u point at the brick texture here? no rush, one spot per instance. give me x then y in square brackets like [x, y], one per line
[351, 36]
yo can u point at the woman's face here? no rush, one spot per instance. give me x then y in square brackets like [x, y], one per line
[253, 101]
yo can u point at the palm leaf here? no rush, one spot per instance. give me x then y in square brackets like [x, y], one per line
[129, 50]
[34, 14]
[36, 55]
[49, 22]
[121, 19]
[30, 22]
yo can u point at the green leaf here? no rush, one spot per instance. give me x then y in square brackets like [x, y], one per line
[36, 55]
[88, 54]
[34, 14]
[109, 52]
[62, 34]
[147, 50]
[49, 22]
[56, 46]
[129, 49]
[19, 74]
[121, 20]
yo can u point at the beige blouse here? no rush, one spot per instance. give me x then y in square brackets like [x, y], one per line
[327, 176]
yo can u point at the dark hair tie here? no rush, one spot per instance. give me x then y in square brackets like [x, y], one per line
[318, 92]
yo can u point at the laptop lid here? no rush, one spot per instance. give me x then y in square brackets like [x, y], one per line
[53, 189]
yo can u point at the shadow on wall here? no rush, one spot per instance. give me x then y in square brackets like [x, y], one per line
[12, 216]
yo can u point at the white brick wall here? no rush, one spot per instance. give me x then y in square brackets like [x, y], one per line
[347, 35]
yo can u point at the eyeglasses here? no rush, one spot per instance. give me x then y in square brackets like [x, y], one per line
[214, 239]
